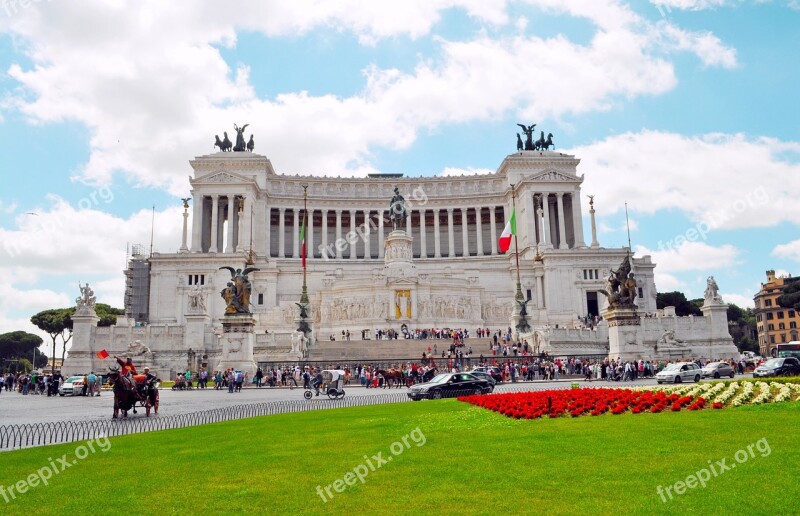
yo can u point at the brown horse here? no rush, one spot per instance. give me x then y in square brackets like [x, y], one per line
[392, 377]
[127, 394]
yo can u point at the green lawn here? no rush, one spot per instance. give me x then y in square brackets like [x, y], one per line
[472, 462]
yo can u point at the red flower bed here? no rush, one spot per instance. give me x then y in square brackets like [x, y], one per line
[579, 402]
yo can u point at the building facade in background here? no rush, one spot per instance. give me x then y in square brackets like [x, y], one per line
[775, 324]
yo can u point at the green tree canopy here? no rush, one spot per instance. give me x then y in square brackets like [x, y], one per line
[790, 298]
[683, 306]
[20, 345]
[107, 314]
[56, 322]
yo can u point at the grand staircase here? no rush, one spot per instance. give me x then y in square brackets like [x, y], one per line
[388, 349]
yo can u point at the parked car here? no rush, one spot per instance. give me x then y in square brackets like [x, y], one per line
[485, 376]
[494, 372]
[718, 369]
[679, 372]
[72, 386]
[449, 385]
[787, 366]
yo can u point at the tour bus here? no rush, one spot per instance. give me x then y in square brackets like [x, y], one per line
[789, 349]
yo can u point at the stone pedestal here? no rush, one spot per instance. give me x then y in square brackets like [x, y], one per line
[82, 358]
[398, 251]
[237, 341]
[624, 333]
[720, 342]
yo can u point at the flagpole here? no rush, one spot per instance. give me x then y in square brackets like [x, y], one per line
[304, 295]
[518, 294]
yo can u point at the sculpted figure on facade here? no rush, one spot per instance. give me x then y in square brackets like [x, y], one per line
[137, 348]
[197, 299]
[668, 339]
[620, 286]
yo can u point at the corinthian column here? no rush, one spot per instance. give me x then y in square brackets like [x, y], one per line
[562, 231]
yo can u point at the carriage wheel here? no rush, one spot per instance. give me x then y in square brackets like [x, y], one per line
[340, 395]
[308, 395]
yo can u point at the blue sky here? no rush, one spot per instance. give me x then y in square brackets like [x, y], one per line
[685, 109]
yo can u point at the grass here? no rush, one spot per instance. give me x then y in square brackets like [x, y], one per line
[473, 461]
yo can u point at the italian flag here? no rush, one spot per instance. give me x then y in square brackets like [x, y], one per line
[510, 230]
[303, 241]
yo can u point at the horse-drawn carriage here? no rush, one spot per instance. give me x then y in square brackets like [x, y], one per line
[131, 391]
[332, 383]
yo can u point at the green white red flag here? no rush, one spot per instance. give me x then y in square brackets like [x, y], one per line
[510, 230]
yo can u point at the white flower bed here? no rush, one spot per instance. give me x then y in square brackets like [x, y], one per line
[764, 393]
[744, 396]
[728, 393]
[784, 391]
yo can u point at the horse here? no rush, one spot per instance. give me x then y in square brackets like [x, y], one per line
[429, 374]
[391, 377]
[547, 143]
[223, 146]
[540, 142]
[127, 393]
[251, 144]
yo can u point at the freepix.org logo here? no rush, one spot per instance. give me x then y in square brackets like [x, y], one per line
[43, 475]
[370, 465]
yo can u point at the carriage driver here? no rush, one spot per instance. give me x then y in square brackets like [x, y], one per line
[126, 368]
[317, 381]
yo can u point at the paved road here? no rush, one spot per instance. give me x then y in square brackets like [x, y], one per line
[18, 409]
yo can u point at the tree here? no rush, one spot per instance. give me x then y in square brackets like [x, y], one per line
[55, 322]
[790, 297]
[683, 307]
[21, 345]
[107, 314]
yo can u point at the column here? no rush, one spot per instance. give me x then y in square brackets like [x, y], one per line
[197, 223]
[464, 233]
[437, 237]
[367, 250]
[243, 224]
[381, 242]
[338, 234]
[540, 289]
[281, 232]
[577, 220]
[296, 233]
[479, 229]
[546, 209]
[310, 235]
[562, 232]
[423, 244]
[530, 210]
[451, 237]
[493, 229]
[352, 234]
[212, 248]
[268, 233]
[231, 222]
[324, 230]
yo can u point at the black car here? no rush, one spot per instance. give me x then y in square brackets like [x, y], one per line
[485, 376]
[787, 366]
[494, 372]
[449, 385]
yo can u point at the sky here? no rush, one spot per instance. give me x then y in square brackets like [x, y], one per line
[685, 110]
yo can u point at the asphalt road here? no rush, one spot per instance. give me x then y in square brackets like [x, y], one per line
[17, 409]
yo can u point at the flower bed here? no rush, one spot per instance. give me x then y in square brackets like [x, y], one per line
[597, 401]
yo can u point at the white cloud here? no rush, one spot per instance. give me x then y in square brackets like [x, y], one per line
[709, 177]
[666, 282]
[692, 5]
[742, 301]
[692, 256]
[708, 47]
[152, 92]
[789, 251]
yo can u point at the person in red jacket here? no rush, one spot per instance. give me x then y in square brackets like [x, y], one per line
[126, 367]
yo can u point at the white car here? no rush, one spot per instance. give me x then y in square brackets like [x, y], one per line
[72, 386]
[680, 372]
